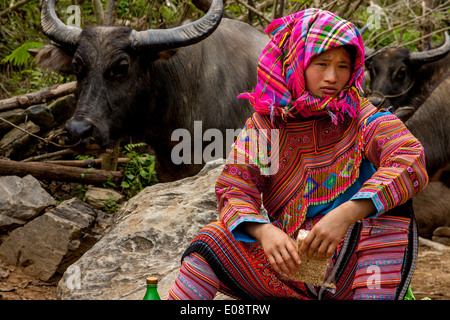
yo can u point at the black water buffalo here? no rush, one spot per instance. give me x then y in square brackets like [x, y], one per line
[415, 86]
[401, 79]
[146, 84]
[430, 124]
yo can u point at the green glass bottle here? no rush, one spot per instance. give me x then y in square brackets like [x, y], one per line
[152, 292]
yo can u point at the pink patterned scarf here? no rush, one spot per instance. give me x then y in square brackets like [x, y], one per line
[295, 41]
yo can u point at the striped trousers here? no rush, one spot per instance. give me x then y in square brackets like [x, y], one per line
[375, 260]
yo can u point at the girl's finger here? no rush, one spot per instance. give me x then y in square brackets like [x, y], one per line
[274, 264]
[288, 262]
[281, 262]
[293, 251]
[331, 250]
[313, 247]
[306, 243]
[322, 250]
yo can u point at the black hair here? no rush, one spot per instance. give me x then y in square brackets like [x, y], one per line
[352, 52]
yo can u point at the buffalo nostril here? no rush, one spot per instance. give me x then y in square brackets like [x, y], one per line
[79, 128]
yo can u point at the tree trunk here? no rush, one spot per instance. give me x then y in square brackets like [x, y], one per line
[86, 163]
[38, 97]
[46, 171]
[109, 12]
[98, 11]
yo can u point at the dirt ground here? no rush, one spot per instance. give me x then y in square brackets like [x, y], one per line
[432, 275]
[431, 279]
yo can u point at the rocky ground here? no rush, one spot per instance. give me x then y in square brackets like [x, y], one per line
[431, 279]
[432, 275]
[15, 285]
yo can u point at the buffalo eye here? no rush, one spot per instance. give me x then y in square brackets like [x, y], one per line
[400, 74]
[119, 69]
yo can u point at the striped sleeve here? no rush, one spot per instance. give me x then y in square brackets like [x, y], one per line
[240, 184]
[398, 158]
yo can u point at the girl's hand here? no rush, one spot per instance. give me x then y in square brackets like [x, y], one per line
[324, 236]
[329, 231]
[280, 249]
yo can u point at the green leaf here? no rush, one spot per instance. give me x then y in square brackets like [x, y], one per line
[409, 294]
[20, 56]
[145, 175]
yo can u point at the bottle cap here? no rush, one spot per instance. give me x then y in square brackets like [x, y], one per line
[152, 281]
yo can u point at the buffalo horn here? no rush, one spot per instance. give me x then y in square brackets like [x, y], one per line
[54, 29]
[185, 35]
[433, 54]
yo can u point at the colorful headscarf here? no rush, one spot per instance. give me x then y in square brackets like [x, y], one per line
[295, 40]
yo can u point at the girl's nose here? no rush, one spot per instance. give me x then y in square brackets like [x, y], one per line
[330, 75]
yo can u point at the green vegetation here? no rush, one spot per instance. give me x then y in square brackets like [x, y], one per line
[139, 172]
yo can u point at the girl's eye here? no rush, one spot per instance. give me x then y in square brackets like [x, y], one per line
[343, 67]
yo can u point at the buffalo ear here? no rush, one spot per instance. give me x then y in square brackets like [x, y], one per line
[54, 58]
[167, 54]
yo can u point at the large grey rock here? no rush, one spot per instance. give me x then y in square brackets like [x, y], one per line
[21, 199]
[51, 242]
[151, 232]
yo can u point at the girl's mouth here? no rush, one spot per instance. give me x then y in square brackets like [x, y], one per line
[330, 91]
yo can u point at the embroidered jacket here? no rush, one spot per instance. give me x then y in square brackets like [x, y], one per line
[315, 163]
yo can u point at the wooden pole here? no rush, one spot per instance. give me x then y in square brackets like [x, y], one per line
[41, 96]
[46, 171]
[110, 157]
[85, 163]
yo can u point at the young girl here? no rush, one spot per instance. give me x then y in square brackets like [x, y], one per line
[345, 172]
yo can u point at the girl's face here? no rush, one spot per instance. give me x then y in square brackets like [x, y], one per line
[328, 73]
